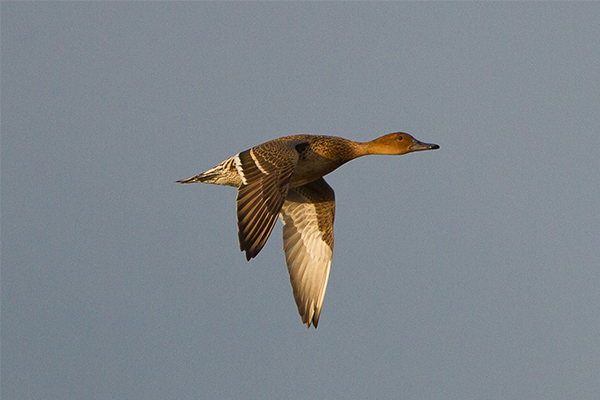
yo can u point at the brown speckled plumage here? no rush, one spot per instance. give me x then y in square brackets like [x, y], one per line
[285, 177]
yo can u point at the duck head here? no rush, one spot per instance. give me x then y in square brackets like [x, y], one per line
[396, 144]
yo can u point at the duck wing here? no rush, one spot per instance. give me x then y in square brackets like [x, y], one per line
[307, 214]
[266, 172]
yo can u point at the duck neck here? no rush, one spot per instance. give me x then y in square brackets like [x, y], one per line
[365, 148]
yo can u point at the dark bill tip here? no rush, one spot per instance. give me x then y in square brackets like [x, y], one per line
[420, 146]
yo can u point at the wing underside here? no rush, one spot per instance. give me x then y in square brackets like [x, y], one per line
[307, 214]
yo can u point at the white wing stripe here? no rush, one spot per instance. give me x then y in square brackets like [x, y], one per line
[238, 166]
[257, 163]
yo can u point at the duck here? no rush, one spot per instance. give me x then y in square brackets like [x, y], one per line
[283, 178]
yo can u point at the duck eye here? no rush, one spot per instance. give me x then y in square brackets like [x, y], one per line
[399, 137]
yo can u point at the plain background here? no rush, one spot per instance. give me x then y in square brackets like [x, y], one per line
[470, 272]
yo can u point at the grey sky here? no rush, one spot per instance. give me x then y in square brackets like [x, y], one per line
[471, 272]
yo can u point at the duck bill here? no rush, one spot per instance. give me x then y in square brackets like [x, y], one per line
[420, 146]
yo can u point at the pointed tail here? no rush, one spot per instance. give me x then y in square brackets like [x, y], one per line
[198, 178]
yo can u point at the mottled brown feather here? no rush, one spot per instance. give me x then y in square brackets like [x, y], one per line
[260, 199]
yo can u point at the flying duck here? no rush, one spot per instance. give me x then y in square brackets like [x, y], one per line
[284, 177]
